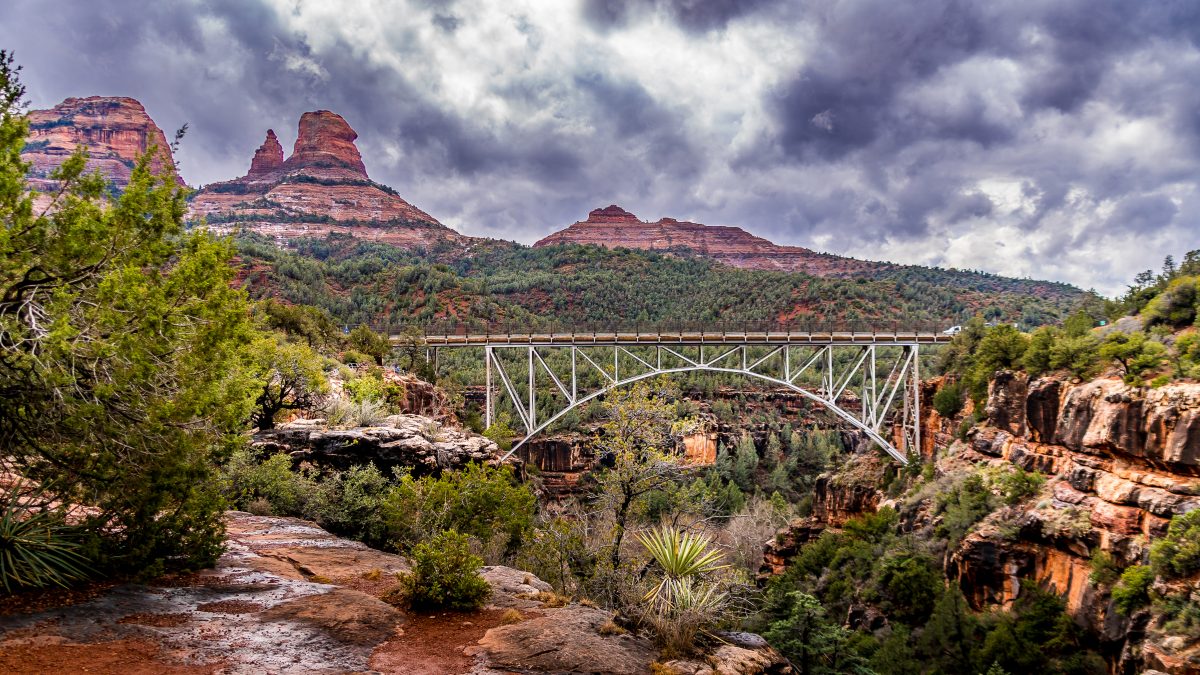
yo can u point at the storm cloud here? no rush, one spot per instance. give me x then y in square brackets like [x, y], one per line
[1054, 139]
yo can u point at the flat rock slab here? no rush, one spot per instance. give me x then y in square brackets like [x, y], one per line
[564, 640]
[252, 613]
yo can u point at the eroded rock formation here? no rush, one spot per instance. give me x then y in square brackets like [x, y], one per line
[116, 131]
[322, 187]
[613, 227]
[1121, 461]
[413, 441]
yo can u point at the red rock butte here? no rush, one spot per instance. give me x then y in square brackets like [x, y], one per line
[613, 226]
[116, 131]
[322, 187]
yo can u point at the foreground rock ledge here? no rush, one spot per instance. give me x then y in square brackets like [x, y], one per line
[289, 597]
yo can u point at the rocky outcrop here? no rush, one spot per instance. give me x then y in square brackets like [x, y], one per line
[613, 227]
[115, 130]
[323, 187]
[412, 441]
[268, 158]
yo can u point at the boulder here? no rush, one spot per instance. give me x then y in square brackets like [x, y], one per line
[350, 616]
[565, 640]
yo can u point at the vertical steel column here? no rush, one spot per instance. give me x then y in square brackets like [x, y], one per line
[916, 350]
[532, 393]
[574, 379]
[487, 415]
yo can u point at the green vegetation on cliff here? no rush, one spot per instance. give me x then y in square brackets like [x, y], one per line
[360, 282]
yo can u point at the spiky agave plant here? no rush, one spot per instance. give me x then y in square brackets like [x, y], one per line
[683, 601]
[37, 547]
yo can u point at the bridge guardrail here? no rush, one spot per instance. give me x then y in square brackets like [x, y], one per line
[463, 328]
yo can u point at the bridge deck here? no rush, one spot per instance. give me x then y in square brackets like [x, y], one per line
[684, 338]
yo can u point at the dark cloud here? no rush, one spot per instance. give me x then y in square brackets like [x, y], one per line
[691, 15]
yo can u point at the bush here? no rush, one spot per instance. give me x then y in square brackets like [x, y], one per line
[948, 401]
[1175, 306]
[1105, 571]
[1019, 484]
[963, 505]
[1133, 590]
[445, 574]
[37, 547]
[1178, 554]
[483, 502]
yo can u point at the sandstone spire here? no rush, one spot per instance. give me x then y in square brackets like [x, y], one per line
[268, 157]
[325, 140]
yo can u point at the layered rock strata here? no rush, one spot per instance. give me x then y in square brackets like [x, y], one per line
[1120, 462]
[116, 131]
[614, 227]
[323, 187]
[412, 441]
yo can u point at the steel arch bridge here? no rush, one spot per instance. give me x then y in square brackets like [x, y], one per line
[868, 379]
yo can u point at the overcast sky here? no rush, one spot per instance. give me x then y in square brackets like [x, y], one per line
[1054, 139]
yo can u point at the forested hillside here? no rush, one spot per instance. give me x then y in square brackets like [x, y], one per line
[362, 282]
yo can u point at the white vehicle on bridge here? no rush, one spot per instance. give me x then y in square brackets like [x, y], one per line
[952, 330]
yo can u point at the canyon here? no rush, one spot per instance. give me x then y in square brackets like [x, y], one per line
[1120, 462]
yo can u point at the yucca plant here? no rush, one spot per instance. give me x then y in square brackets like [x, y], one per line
[37, 547]
[681, 555]
[684, 600]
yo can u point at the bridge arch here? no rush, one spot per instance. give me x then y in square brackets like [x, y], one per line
[831, 406]
[885, 396]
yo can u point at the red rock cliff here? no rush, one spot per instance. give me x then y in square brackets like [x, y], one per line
[1120, 462]
[613, 226]
[115, 130]
[322, 188]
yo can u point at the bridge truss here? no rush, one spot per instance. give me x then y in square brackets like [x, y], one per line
[871, 381]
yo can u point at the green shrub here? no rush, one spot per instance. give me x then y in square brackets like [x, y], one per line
[244, 480]
[1105, 571]
[1019, 484]
[483, 502]
[1176, 305]
[37, 547]
[1132, 592]
[445, 574]
[963, 505]
[948, 400]
[1178, 554]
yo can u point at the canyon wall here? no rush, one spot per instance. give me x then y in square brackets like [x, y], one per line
[1120, 462]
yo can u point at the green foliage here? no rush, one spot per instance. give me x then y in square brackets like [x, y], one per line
[1017, 484]
[811, 641]
[1105, 570]
[745, 463]
[965, 503]
[289, 376]
[502, 433]
[948, 400]
[367, 341]
[37, 547]
[479, 501]
[121, 380]
[1135, 352]
[313, 325]
[445, 574]
[1176, 305]
[1178, 553]
[1132, 592]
